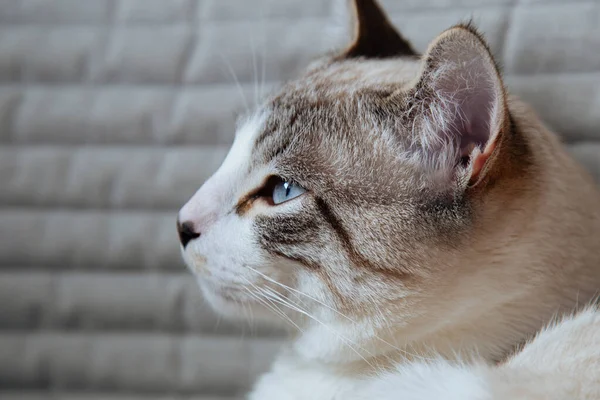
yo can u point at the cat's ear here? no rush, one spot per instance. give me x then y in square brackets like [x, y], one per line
[460, 102]
[373, 34]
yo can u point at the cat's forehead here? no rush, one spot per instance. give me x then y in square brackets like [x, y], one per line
[351, 77]
[339, 95]
[354, 74]
[331, 103]
[334, 115]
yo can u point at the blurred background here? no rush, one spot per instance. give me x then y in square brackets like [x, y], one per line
[112, 114]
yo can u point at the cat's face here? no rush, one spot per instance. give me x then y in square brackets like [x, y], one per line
[344, 201]
[316, 194]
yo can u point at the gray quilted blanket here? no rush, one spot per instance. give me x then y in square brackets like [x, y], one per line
[113, 112]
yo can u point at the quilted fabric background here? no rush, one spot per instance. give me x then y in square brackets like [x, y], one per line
[113, 112]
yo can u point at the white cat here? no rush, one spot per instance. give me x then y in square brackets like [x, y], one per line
[414, 225]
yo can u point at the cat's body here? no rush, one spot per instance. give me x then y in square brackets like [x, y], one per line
[405, 215]
[562, 362]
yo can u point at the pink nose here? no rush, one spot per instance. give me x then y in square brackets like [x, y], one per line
[197, 215]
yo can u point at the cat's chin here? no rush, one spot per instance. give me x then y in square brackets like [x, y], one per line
[236, 304]
[225, 301]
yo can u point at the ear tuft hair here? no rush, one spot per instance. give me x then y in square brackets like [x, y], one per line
[459, 102]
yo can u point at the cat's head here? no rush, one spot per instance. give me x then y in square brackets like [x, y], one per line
[354, 199]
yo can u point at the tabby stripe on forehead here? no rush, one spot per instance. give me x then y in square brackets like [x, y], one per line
[271, 131]
[269, 151]
[275, 126]
[278, 150]
[266, 133]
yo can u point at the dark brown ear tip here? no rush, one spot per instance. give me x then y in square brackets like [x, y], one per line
[376, 37]
[469, 25]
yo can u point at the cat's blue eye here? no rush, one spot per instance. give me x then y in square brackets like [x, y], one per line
[285, 190]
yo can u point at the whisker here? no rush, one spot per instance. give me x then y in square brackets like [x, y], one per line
[264, 55]
[394, 347]
[269, 305]
[301, 293]
[243, 326]
[236, 81]
[265, 301]
[255, 69]
[347, 342]
[218, 322]
[251, 321]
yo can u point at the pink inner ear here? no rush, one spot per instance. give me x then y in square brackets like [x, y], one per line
[480, 160]
[468, 92]
[470, 98]
[476, 118]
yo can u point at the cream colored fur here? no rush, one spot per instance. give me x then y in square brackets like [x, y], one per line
[561, 362]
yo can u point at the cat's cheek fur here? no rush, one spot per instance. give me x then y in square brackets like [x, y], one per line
[228, 264]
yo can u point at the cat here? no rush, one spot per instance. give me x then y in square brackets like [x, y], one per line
[415, 225]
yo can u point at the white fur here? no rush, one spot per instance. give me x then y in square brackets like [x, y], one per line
[210, 211]
[429, 381]
[562, 362]
[226, 184]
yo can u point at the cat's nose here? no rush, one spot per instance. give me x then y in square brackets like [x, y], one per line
[186, 232]
[199, 214]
